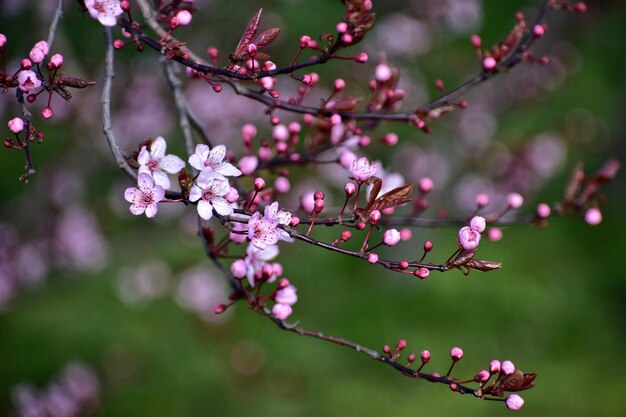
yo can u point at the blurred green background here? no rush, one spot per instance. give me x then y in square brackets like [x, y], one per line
[556, 307]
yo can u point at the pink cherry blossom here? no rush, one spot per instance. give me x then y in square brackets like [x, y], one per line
[105, 11]
[468, 238]
[287, 295]
[154, 162]
[28, 80]
[206, 159]
[264, 231]
[361, 169]
[210, 191]
[256, 259]
[145, 196]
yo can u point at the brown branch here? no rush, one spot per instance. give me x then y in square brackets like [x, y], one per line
[105, 101]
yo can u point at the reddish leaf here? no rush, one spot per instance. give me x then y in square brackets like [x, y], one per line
[266, 37]
[393, 198]
[482, 265]
[248, 34]
[574, 184]
[378, 184]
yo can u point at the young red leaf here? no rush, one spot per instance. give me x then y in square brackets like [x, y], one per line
[248, 35]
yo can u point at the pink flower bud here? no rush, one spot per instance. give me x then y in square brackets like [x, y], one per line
[426, 185]
[372, 258]
[482, 376]
[3, 40]
[259, 184]
[56, 61]
[361, 57]
[349, 189]
[232, 196]
[368, 5]
[16, 125]
[543, 210]
[405, 234]
[514, 402]
[456, 353]
[468, 238]
[489, 63]
[36, 55]
[494, 366]
[43, 45]
[294, 128]
[538, 31]
[421, 273]
[286, 295]
[304, 41]
[494, 234]
[580, 7]
[339, 84]
[515, 200]
[391, 237]
[593, 216]
[281, 311]
[295, 220]
[280, 132]
[482, 200]
[375, 217]
[184, 17]
[252, 49]
[478, 224]
[383, 73]
[507, 368]
[265, 153]
[318, 206]
[248, 164]
[47, 112]
[476, 41]
[312, 44]
[428, 246]
[342, 27]
[282, 185]
[28, 80]
[213, 52]
[118, 44]
[219, 309]
[239, 269]
[346, 38]
[26, 64]
[425, 356]
[391, 139]
[248, 131]
[335, 119]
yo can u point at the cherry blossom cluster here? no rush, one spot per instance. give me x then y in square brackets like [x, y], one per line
[246, 208]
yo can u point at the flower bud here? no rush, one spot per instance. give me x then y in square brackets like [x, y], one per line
[515, 200]
[391, 237]
[456, 353]
[16, 125]
[478, 224]
[514, 402]
[425, 356]
[239, 269]
[593, 216]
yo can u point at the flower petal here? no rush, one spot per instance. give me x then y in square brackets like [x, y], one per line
[144, 156]
[158, 194]
[205, 209]
[145, 182]
[161, 178]
[158, 147]
[151, 210]
[196, 162]
[221, 206]
[107, 20]
[228, 170]
[137, 209]
[172, 164]
[216, 156]
[195, 193]
[133, 195]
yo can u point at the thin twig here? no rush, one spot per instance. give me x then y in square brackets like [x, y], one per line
[58, 14]
[106, 106]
